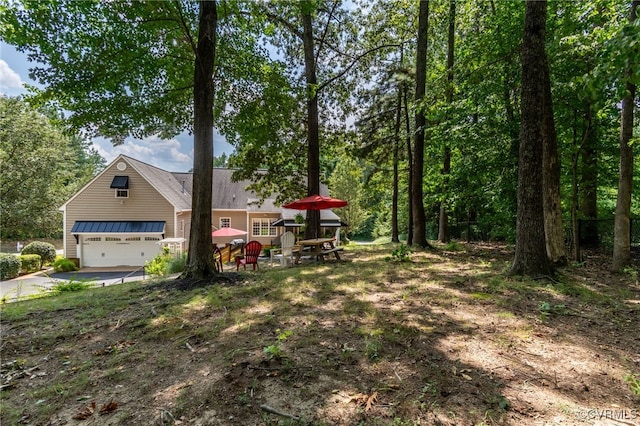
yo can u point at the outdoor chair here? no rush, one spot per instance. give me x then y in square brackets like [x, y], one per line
[217, 258]
[251, 252]
[285, 252]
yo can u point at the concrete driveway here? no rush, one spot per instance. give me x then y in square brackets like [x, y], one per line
[26, 285]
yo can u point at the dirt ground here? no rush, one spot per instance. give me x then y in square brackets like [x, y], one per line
[445, 339]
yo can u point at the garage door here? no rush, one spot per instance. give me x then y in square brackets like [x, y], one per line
[119, 250]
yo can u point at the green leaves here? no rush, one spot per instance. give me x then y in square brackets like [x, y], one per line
[41, 168]
[122, 68]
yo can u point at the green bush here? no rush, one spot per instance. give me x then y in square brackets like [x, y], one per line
[63, 264]
[9, 266]
[159, 265]
[401, 254]
[71, 286]
[30, 263]
[46, 251]
[177, 264]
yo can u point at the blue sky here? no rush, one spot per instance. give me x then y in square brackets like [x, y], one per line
[174, 155]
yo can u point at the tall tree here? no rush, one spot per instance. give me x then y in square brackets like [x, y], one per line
[312, 229]
[443, 226]
[553, 230]
[292, 32]
[419, 218]
[41, 168]
[129, 69]
[622, 231]
[200, 261]
[531, 256]
[317, 39]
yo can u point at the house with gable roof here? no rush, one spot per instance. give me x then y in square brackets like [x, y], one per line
[122, 216]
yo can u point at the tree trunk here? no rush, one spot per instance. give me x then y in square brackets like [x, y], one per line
[531, 255]
[419, 218]
[396, 148]
[443, 222]
[409, 164]
[554, 232]
[200, 258]
[622, 230]
[588, 206]
[312, 228]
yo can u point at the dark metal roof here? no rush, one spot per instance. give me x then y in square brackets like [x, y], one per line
[120, 182]
[118, 227]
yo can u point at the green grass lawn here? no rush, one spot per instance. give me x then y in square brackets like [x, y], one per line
[444, 337]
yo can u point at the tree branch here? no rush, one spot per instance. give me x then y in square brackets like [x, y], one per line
[185, 27]
[355, 61]
[278, 19]
[322, 40]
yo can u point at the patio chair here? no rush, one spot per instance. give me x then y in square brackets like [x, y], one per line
[217, 258]
[287, 244]
[251, 252]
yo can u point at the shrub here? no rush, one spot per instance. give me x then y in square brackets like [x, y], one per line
[30, 262]
[9, 266]
[63, 264]
[46, 251]
[401, 254]
[159, 265]
[177, 264]
[71, 286]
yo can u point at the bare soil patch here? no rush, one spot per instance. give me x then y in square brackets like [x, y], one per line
[446, 339]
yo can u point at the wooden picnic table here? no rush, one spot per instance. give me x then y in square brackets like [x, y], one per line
[318, 248]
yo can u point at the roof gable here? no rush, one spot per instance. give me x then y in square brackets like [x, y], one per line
[177, 187]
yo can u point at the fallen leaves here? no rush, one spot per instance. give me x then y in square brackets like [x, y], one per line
[109, 407]
[88, 410]
[366, 400]
[11, 371]
[123, 344]
[462, 372]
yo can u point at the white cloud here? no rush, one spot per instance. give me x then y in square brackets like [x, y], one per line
[8, 77]
[167, 154]
[174, 155]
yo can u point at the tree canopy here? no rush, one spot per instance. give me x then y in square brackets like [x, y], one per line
[302, 86]
[42, 167]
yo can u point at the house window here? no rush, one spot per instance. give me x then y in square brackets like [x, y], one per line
[151, 239]
[93, 239]
[112, 238]
[132, 239]
[263, 228]
[225, 222]
[121, 185]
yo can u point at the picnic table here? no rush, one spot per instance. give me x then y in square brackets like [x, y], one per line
[318, 248]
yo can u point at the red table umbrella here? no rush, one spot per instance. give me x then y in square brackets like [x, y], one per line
[227, 232]
[315, 202]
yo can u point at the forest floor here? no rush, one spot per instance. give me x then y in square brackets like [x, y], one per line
[447, 338]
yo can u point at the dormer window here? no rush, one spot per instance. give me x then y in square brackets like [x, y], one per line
[121, 185]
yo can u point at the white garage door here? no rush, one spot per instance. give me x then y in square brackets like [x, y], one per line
[118, 250]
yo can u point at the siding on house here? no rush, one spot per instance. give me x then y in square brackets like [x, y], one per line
[265, 240]
[159, 195]
[97, 202]
[238, 221]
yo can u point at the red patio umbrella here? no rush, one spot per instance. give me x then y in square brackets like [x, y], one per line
[315, 202]
[227, 232]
